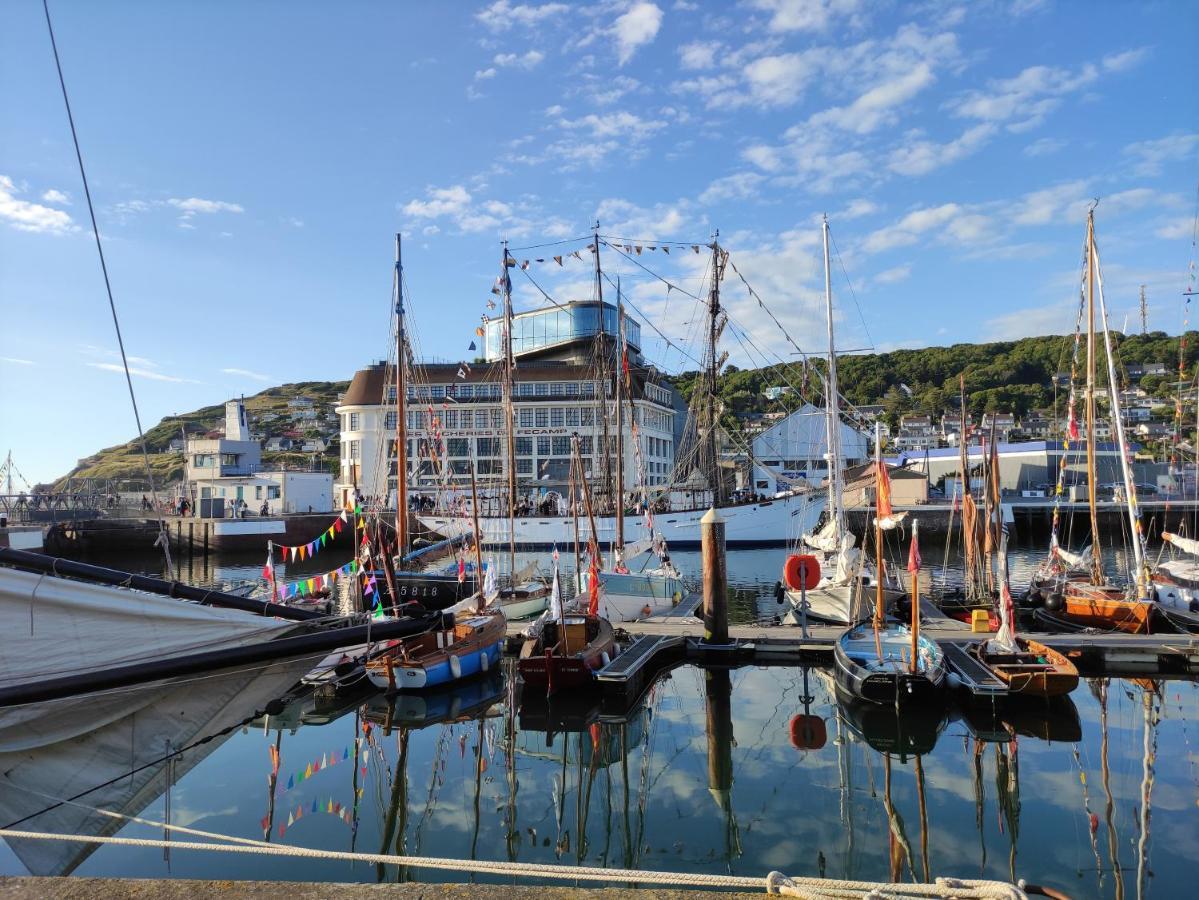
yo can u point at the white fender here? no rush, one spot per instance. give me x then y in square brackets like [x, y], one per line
[484, 661]
[455, 666]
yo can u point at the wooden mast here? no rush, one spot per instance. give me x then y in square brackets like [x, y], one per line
[401, 401]
[1096, 563]
[474, 505]
[509, 414]
[713, 315]
[969, 529]
[619, 422]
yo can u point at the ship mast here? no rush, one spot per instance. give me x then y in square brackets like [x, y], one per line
[1096, 564]
[603, 365]
[401, 398]
[620, 351]
[713, 315]
[832, 408]
[509, 414]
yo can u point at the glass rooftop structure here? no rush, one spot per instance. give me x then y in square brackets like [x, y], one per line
[545, 329]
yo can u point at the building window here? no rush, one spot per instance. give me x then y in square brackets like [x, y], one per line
[524, 446]
[543, 446]
[487, 446]
[355, 449]
[524, 389]
[490, 467]
[465, 390]
[481, 418]
[572, 417]
[438, 391]
[588, 388]
[572, 389]
[526, 418]
[543, 418]
[451, 418]
[556, 417]
[561, 446]
[458, 446]
[541, 389]
[587, 417]
[524, 467]
[497, 418]
[272, 492]
[389, 421]
[354, 419]
[558, 389]
[258, 492]
[585, 444]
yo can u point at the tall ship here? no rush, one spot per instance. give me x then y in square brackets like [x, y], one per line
[654, 463]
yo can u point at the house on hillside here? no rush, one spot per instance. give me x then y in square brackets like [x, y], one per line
[916, 432]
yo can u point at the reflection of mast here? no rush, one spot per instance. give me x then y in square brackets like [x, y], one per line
[923, 817]
[1109, 806]
[271, 783]
[474, 840]
[980, 802]
[513, 836]
[1148, 755]
[845, 767]
[397, 809]
[900, 850]
[718, 706]
[1007, 784]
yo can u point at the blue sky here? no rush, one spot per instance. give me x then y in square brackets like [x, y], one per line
[251, 162]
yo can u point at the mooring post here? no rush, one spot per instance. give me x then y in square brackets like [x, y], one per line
[716, 578]
[191, 538]
[207, 528]
[718, 706]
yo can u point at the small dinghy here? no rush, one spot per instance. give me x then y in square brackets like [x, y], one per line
[563, 651]
[877, 666]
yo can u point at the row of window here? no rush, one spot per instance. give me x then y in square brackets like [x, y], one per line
[531, 417]
[494, 390]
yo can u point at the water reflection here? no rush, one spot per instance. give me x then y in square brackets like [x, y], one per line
[719, 771]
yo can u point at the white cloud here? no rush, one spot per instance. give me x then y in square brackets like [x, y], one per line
[893, 275]
[526, 61]
[739, 186]
[142, 373]
[1176, 230]
[616, 124]
[485, 74]
[922, 157]
[804, 15]
[660, 221]
[911, 227]
[26, 216]
[502, 15]
[246, 373]
[56, 196]
[294, 222]
[857, 208]
[1122, 62]
[16, 361]
[636, 28]
[699, 54]
[877, 106]
[440, 202]
[1044, 146]
[1023, 102]
[193, 205]
[1150, 157]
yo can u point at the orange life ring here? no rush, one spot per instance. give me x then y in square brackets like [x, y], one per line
[801, 572]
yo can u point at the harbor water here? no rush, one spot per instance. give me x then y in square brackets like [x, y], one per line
[718, 771]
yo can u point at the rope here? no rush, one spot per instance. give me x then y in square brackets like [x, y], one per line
[775, 883]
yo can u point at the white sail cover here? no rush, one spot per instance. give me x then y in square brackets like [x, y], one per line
[491, 588]
[108, 748]
[55, 627]
[1073, 560]
[635, 549]
[825, 539]
[1186, 545]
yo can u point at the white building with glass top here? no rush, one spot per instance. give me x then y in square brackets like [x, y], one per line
[563, 384]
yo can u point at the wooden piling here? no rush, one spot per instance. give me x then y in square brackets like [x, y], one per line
[191, 538]
[207, 528]
[716, 581]
[718, 694]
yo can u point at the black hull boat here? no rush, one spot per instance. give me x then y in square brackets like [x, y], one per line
[433, 592]
[863, 673]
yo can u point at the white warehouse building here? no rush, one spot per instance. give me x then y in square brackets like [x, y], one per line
[792, 451]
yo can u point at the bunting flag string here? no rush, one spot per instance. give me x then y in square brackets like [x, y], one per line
[327, 760]
[328, 806]
[306, 551]
[317, 583]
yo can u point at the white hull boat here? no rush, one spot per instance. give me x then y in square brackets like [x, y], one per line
[774, 522]
[627, 597]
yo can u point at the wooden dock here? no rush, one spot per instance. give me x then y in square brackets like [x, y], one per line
[663, 641]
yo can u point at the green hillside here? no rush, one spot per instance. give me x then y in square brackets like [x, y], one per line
[124, 461]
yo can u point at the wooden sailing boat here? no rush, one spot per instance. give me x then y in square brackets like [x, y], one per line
[1027, 667]
[1088, 599]
[564, 651]
[888, 662]
[848, 581]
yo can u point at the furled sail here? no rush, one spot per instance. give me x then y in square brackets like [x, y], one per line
[1073, 560]
[1186, 545]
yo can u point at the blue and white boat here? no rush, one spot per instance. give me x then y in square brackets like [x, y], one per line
[469, 647]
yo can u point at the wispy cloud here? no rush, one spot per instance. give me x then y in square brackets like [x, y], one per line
[24, 215]
[194, 205]
[56, 196]
[15, 361]
[246, 373]
[1150, 157]
[526, 61]
[502, 15]
[636, 28]
[143, 373]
